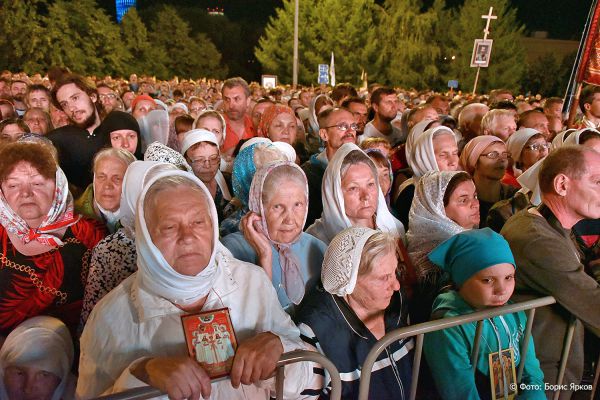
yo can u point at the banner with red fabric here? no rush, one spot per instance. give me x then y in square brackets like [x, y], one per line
[589, 67]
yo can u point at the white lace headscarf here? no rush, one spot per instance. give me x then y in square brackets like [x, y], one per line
[154, 272]
[334, 218]
[415, 133]
[136, 175]
[428, 223]
[40, 342]
[342, 260]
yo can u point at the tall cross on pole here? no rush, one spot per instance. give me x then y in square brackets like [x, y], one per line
[489, 17]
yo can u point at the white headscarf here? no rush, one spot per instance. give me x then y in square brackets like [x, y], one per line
[559, 140]
[136, 175]
[573, 138]
[154, 272]
[428, 223]
[334, 218]
[529, 181]
[415, 133]
[342, 259]
[40, 342]
[423, 156]
[202, 135]
[517, 141]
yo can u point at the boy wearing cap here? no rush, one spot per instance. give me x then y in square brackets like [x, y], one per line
[482, 268]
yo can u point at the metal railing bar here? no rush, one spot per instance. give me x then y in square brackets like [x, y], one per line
[436, 325]
[147, 392]
[476, 344]
[564, 357]
[416, 367]
[525, 346]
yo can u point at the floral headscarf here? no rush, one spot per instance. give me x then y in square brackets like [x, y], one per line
[290, 264]
[60, 215]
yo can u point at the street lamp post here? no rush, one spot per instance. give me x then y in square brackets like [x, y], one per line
[295, 66]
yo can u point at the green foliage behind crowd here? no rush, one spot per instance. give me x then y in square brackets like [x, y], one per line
[80, 35]
[403, 43]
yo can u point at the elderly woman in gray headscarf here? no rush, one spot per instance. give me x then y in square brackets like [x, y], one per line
[445, 204]
[352, 197]
[359, 302]
[36, 360]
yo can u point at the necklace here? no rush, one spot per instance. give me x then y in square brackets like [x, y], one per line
[35, 279]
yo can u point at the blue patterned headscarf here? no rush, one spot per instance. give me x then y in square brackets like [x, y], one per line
[243, 172]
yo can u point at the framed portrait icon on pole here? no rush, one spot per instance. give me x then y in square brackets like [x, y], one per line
[482, 49]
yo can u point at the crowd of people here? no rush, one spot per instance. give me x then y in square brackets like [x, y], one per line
[320, 218]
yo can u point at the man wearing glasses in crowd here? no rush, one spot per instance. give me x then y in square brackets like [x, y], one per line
[337, 126]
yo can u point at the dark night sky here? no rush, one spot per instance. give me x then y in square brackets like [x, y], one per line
[563, 19]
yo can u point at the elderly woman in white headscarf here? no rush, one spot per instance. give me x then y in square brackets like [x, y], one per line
[434, 150]
[358, 303]
[184, 269]
[271, 233]
[114, 257]
[445, 204]
[201, 150]
[35, 361]
[351, 197]
[526, 147]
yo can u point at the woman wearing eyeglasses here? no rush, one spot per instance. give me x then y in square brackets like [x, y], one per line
[526, 147]
[201, 150]
[486, 159]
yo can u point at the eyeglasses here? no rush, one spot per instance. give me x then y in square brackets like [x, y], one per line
[107, 96]
[538, 146]
[342, 126]
[212, 160]
[494, 155]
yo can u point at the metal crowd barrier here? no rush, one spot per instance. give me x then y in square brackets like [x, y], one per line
[148, 392]
[420, 330]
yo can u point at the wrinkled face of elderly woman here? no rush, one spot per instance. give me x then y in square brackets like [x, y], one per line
[284, 204]
[29, 383]
[179, 222]
[446, 152]
[374, 289]
[108, 180]
[360, 191]
[28, 193]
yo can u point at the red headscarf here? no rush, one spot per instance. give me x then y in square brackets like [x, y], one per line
[269, 115]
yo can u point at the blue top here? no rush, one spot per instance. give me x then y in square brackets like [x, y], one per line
[309, 250]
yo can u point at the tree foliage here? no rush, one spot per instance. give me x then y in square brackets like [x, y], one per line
[507, 60]
[81, 36]
[324, 26]
[186, 55]
[401, 43]
[146, 58]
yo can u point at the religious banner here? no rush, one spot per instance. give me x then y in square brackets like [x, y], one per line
[589, 67]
